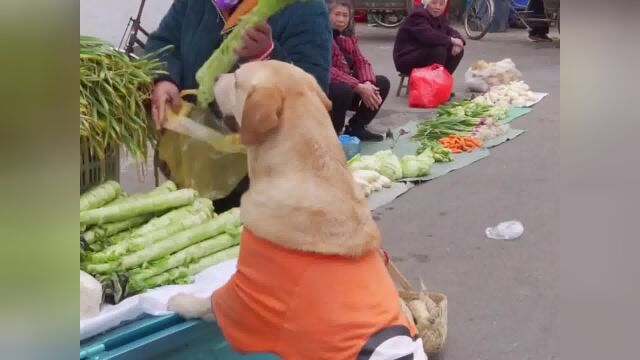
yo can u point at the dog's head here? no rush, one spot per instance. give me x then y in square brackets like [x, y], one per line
[253, 97]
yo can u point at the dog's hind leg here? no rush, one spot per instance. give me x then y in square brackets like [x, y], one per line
[191, 307]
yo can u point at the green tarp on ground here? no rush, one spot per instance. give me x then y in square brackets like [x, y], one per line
[403, 145]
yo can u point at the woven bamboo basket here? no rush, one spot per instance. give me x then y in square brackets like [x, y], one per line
[432, 328]
[94, 170]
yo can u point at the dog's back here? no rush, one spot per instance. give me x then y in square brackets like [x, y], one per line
[302, 193]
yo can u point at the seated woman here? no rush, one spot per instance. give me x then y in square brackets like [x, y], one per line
[426, 38]
[353, 85]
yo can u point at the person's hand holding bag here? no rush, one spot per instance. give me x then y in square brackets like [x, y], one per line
[164, 93]
[256, 43]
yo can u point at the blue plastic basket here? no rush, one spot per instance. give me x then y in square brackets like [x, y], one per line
[163, 337]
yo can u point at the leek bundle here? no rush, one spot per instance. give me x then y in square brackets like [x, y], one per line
[113, 92]
[224, 58]
[161, 237]
[140, 206]
[179, 274]
[101, 232]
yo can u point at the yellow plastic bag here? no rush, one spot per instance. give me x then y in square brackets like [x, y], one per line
[211, 161]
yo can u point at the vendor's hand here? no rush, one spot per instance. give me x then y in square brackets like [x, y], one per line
[164, 93]
[255, 42]
[455, 50]
[377, 98]
[369, 95]
[457, 42]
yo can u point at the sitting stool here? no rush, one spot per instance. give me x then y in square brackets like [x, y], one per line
[402, 84]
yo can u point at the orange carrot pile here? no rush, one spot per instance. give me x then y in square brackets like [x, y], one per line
[457, 144]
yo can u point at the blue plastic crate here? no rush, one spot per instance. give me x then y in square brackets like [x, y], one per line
[164, 337]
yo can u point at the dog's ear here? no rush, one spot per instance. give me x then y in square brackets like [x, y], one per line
[317, 90]
[261, 113]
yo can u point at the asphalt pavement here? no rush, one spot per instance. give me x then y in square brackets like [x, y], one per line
[502, 303]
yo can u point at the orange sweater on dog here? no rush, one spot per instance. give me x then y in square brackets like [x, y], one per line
[300, 305]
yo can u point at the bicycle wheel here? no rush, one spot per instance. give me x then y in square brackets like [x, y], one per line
[477, 18]
[388, 20]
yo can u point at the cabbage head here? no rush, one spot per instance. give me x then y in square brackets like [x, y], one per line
[414, 166]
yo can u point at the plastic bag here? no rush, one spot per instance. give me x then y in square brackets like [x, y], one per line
[483, 75]
[207, 158]
[350, 145]
[429, 86]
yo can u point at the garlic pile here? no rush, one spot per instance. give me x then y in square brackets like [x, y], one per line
[515, 93]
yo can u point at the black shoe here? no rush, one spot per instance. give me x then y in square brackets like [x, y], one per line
[364, 134]
[540, 38]
[452, 95]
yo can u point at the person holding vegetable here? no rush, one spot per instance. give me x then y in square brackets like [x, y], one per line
[425, 38]
[354, 86]
[299, 34]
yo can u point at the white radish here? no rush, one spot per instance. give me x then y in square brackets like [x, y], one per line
[90, 296]
[367, 175]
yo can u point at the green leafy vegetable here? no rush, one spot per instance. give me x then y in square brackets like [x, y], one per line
[384, 162]
[113, 95]
[440, 153]
[414, 166]
[224, 58]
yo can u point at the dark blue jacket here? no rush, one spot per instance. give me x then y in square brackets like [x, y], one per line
[301, 35]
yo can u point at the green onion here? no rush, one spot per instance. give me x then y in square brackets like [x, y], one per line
[113, 93]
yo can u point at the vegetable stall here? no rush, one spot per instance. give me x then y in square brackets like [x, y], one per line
[460, 133]
[138, 249]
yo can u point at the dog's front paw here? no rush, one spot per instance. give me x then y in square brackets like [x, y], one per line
[190, 307]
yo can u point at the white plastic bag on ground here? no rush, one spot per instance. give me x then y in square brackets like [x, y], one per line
[483, 75]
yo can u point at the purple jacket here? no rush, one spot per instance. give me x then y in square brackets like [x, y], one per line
[421, 30]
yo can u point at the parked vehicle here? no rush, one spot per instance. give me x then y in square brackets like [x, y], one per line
[386, 13]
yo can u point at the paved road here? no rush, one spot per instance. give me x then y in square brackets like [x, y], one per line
[501, 294]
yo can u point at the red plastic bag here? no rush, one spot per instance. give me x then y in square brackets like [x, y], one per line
[429, 86]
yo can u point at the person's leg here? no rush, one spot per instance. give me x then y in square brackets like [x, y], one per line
[539, 29]
[364, 115]
[383, 83]
[423, 57]
[452, 62]
[341, 96]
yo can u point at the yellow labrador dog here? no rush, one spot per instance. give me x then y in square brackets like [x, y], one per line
[310, 282]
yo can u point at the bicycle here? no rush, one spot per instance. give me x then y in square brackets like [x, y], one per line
[131, 43]
[479, 16]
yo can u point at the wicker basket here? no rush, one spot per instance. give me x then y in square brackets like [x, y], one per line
[433, 329]
[94, 171]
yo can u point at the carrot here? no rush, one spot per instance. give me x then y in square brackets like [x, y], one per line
[457, 144]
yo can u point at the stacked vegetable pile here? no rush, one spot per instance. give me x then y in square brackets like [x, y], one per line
[138, 242]
[515, 93]
[464, 119]
[389, 167]
[113, 93]
[457, 144]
